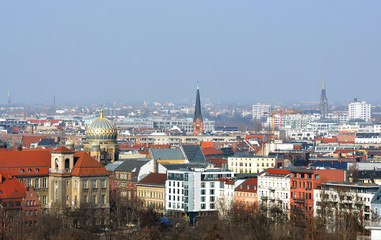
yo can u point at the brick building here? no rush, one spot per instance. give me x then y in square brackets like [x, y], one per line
[303, 182]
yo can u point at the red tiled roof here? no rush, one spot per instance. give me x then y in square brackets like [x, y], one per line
[87, 165]
[62, 149]
[211, 151]
[154, 179]
[20, 163]
[248, 186]
[11, 187]
[217, 162]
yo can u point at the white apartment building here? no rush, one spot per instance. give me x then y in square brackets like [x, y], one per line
[194, 190]
[274, 188]
[344, 196]
[252, 164]
[259, 109]
[359, 110]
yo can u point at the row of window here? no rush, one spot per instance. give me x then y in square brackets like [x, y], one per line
[151, 194]
[94, 199]
[93, 183]
[37, 183]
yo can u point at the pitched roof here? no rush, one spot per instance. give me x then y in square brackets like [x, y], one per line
[217, 162]
[167, 154]
[112, 166]
[193, 153]
[10, 187]
[211, 151]
[132, 165]
[21, 163]
[87, 165]
[250, 185]
[62, 149]
[154, 179]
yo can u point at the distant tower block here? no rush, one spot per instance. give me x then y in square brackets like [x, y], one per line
[197, 119]
[9, 97]
[323, 101]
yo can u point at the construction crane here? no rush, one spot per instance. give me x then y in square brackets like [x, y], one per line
[281, 112]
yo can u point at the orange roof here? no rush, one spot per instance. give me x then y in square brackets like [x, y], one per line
[20, 163]
[11, 187]
[248, 186]
[211, 151]
[62, 149]
[87, 165]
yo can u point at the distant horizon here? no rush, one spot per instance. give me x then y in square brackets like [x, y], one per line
[241, 52]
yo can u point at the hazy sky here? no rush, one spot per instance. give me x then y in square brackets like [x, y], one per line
[156, 50]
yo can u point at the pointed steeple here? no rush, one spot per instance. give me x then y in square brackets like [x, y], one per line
[323, 100]
[197, 119]
[197, 109]
[323, 81]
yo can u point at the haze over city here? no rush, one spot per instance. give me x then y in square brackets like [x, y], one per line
[240, 52]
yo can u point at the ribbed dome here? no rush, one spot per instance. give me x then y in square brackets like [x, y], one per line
[101, 130]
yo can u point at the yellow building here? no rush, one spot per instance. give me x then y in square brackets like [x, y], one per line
[101, 143]
[151, 190]
[252, 164]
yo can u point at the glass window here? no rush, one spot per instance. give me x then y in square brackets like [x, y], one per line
[103, 183]
[94, 183]
[37, 183]
[85, 184]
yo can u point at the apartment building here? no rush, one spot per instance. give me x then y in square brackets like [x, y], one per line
[274, 189]
[250, 164]
[193, 190]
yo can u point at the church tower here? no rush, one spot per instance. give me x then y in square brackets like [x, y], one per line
[323, 101]
[197, 119]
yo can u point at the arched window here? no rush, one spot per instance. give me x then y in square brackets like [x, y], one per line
[67, 163]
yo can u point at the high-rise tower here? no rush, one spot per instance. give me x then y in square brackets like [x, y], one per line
[323, 101]
[9, 100]
[197, 119]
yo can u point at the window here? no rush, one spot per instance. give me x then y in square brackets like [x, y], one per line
[85, 198]
[212, 198]
[103, 199]
[94, 183]
[203, 206]
[75, 184]
[44, 199]
[203, 191]
[84, 183]
[211, 191]
[169, 183]
[202, 199]
[29, 182]
[202, 184]
[44, 183]
[317, 176]
[37, 183]
[212, 184]
[103, 183]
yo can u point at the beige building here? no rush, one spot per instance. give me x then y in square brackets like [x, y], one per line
[151, 190]
[61, 178]
[252, 164]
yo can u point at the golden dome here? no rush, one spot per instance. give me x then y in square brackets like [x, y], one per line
[101, 130]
